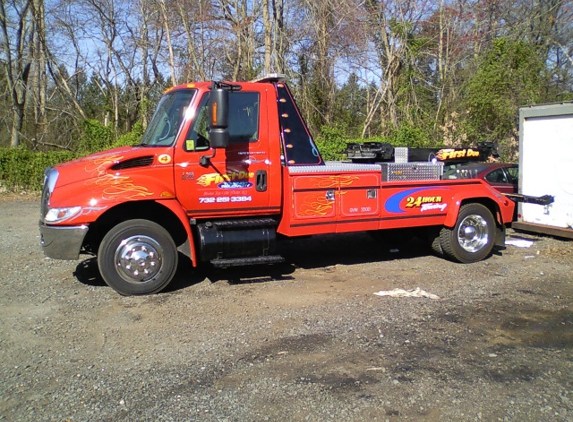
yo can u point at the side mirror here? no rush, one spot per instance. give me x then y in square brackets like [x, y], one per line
[219, 117]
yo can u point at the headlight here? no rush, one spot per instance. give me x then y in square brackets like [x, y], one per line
[50, 178]
[57, 215]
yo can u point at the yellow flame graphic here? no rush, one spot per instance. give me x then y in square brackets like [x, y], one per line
[120, 187]
[316, 206]
[100, 165]
[443, 153]
[334, 181]
[325, 182]
[348, 180]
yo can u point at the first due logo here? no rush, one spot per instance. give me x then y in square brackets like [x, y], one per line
[228, 181]
[426, 203]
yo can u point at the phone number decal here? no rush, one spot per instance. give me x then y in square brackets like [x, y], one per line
[224, 199]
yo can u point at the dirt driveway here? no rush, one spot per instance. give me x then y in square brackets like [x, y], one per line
[308, 340]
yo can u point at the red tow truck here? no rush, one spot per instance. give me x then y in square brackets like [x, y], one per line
[224, 171]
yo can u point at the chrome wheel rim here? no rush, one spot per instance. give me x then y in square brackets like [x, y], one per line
[473, 233]
[138, 259]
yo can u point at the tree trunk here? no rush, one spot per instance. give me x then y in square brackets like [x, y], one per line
[40, 77]
[169, 43]
[280, 41]
[17, 65]
[267, 37]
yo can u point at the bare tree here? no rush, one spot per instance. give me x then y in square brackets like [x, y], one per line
[40, 80]
[171, 59]
[391, 27]
[268, 36]
[280, 37]
[197, 21]
[240, 40]
[16, 24]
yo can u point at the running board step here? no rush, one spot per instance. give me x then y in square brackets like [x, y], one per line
[239, 262]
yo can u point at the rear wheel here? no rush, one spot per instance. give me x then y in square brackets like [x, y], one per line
[472, 238]
[137, 257]
[433, 240]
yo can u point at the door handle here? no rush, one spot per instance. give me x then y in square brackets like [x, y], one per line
[261, 181]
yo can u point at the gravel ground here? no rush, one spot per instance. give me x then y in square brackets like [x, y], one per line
[307, 340]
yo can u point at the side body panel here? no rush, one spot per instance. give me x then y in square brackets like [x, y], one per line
[339, 198]
[329, 199]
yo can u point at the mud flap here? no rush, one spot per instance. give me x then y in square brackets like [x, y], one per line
[500, 237]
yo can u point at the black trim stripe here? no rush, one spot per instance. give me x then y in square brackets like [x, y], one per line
[324, 223]
[342, 188]
[444, 183]
[219, 210]
[314, 189]
[365, 220]
[412, 216]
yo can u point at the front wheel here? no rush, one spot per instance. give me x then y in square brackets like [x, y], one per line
[137, 257]
[472, 238]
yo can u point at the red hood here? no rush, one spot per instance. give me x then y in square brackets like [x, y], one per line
[97, 164]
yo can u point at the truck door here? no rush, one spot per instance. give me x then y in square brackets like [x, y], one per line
[238, 180]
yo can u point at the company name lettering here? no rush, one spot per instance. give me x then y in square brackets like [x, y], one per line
[450, 154]
[412, 202]
[211, 178]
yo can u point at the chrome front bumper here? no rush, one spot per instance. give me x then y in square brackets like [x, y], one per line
[62, 242]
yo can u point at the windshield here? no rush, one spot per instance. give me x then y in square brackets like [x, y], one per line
[167, 118]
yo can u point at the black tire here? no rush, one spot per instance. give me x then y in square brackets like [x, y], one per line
[472, 238]
[137, 257]
[433, 240]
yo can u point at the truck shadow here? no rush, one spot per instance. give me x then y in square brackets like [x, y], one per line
[307, 253]
[87, 273]
[319, 252]
[349, 249]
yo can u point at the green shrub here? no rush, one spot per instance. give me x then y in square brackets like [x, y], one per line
[331, 143]
[410, 136]
[22, 169]
[96, 137]
[130, 138]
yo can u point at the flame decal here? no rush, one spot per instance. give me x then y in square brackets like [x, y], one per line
[348, 180]
[115, 188]
[325, 182]
[100, 165]
[316, 206]
[119, 188]
[334, 181]
[443, 153]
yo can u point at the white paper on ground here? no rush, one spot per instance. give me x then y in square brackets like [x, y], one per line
[519, 243]
[417, 292]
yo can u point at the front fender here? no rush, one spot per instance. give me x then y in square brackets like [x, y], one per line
[187, 248]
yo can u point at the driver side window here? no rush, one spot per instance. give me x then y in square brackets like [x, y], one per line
[243, 121]
[197, 138]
